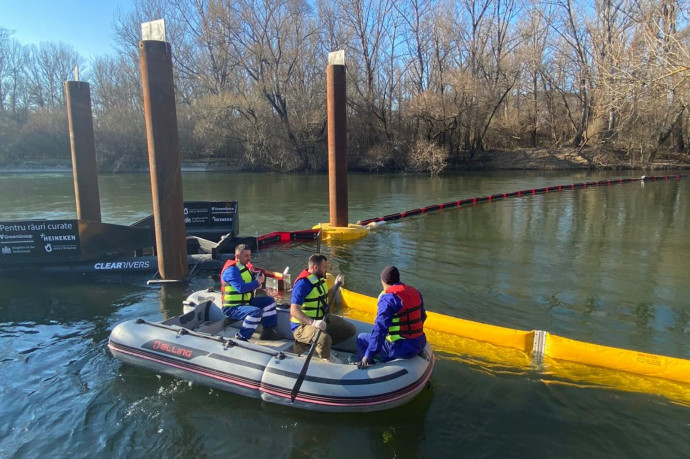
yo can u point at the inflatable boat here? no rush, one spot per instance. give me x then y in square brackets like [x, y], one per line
[200, 346]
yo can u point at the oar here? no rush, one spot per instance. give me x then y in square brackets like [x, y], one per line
[303, 373]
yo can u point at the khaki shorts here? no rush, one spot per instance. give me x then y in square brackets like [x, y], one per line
[337, 330]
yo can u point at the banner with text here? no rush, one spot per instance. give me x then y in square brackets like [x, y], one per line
[39, 240]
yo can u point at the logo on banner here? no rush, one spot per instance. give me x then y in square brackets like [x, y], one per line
[123, 265]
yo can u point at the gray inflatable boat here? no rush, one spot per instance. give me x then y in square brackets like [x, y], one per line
[199, 346]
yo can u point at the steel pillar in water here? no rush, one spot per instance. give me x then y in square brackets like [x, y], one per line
[337, 139]
[82, 144]
[155, 59]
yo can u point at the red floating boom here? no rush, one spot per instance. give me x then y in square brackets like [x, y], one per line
[497, 196]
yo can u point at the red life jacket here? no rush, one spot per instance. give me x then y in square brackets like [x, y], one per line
[407, 323]
[302, 275]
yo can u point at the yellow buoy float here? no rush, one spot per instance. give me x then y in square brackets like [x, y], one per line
[342, 233]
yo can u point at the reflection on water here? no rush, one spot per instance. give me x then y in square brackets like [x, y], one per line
[607, 265]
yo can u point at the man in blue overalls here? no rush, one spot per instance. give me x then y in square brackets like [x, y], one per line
[238, 284]
[398, 331]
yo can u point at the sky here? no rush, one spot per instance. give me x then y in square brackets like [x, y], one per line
[86, 25]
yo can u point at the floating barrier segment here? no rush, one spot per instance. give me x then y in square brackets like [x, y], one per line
[657, 366]
[283, 237]
[577, 362]
[514, 194]
[498, 336]
[360, 229]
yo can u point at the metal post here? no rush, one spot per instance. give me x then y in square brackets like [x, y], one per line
[155, 59]
[337, 139]
[82, 144]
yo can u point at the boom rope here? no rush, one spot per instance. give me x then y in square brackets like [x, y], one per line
[283, 237]
[497, 196]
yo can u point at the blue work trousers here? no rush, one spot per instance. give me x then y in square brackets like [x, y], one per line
[261, 309]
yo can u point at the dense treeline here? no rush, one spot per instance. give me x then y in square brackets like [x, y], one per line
[430, 82]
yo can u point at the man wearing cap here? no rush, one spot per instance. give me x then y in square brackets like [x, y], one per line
[398, 331]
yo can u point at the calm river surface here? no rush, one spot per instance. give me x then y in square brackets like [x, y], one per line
[608, 265]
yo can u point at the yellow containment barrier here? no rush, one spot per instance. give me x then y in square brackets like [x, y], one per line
[641, 363]
[560, 360]
[499, 336]
[341, 233]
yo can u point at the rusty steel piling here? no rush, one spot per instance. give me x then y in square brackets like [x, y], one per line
[337, 139]
[155, 59]
[83, 147]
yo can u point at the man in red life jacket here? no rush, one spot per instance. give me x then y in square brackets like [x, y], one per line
[398, 331]
[308, 308]
[238, 281]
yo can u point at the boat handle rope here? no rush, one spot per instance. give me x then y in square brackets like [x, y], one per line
[232, 343]
[227, 343]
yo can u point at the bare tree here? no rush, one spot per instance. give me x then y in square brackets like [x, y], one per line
[368, 31]
[574, 46]
[417, 40]
[671, 74]
[535, 29]
[13, 88]
[118, 113]
[271, 42]
[49, 66]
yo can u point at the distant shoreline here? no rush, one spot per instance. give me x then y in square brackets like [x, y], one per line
[67, 169]
[526, 159]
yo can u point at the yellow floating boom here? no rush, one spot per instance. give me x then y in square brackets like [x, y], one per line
[560, 360]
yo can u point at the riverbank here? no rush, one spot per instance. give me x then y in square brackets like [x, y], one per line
[572, 159]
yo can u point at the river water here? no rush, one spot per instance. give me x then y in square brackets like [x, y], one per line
[608, 265]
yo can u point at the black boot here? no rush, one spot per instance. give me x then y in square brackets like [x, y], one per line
[270, 334]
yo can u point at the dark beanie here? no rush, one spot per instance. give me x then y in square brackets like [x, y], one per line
[390, 275]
